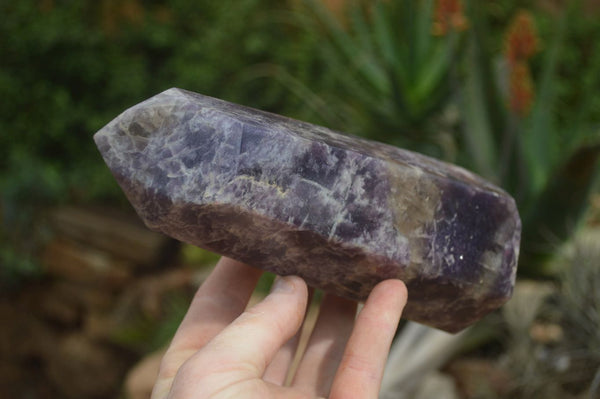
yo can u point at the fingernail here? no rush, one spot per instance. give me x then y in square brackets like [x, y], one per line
[282, 284]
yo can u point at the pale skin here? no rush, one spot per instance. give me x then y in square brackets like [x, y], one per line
[223, 350]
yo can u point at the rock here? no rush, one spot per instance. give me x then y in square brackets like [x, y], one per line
[417, 351]
[546, 333]
[147, 298]
[74, 262]
[59, 309]
[82, 368]
[85, 297]
[437, 385]
[528, 300]
[23, 335]
[480, 378]
[342, 212]
[114, 233]
[23, 380]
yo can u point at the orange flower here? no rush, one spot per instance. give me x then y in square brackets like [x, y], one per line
[521, 92]
[521, 40]
[46, 5]
[116, 13]
[448, 16]
[520, 44]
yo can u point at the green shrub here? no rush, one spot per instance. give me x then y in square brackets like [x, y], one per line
[68, 68]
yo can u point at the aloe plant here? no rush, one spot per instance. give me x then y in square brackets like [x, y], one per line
[549, 167]
[390, 76]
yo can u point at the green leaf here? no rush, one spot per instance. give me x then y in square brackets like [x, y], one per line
[384, 35]
[589, 86]
[435, 69]
[482, 60]
[424, 38]
[349, 51]
[477, 130]
[559, 207]
[360, 27]
[541, 140]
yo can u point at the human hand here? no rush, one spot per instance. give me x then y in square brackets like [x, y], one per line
[221, 351]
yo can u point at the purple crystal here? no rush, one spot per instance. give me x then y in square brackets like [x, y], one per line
[293, 198]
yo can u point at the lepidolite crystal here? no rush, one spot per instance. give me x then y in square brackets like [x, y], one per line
[293, 198]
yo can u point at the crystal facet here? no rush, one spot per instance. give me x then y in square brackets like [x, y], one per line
[293, 198]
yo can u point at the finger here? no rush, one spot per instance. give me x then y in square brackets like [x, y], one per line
[361, 369]
[326, 346]
[242, 351]
[218, 301]
[277, 371]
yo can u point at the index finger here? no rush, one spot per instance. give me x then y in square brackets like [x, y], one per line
[361, 368]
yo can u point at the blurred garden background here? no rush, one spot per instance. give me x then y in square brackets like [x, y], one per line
[508, 89]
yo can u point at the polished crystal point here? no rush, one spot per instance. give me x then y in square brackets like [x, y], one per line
[342, 212]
